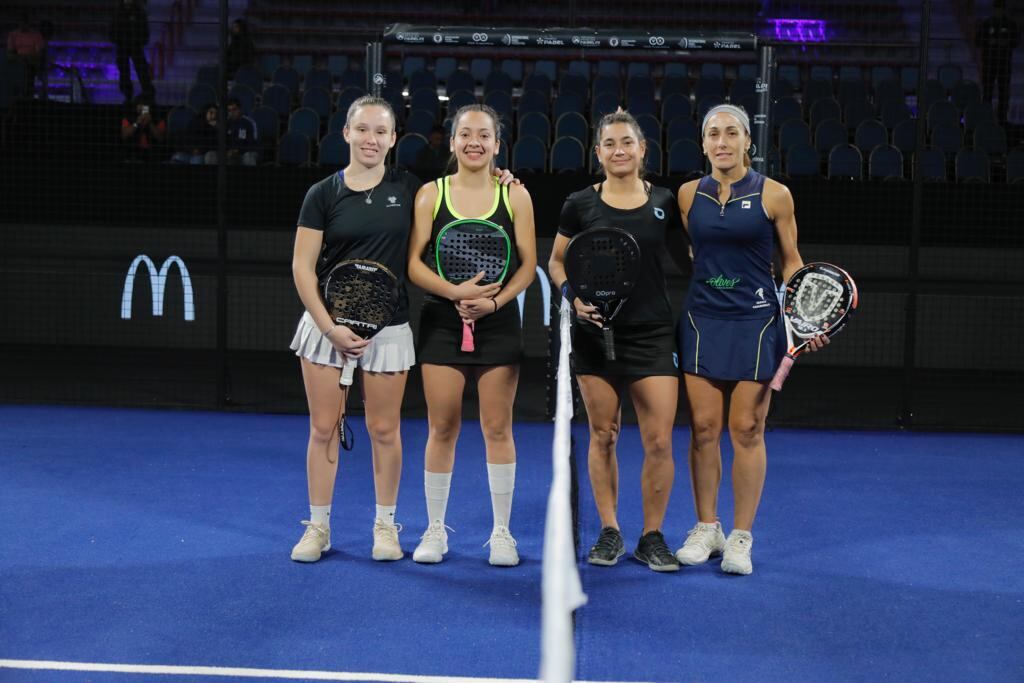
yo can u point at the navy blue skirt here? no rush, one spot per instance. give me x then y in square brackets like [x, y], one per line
[731, 349]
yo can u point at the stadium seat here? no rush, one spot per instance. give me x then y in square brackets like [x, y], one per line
[479, 67]
[650, 127]
[894, 113]
[653, 157]
[423, 79]
[179, 119]
[353, 78]
[676, 106]
[540, 82]
[529, 154]
[444, 67]
[347, 96]
[825, 108]
[498, 81]
[277, 97]
[885, 163]
[573, 83]
[533, 101]
[870, 134]
[305, 121]
[976, 114]
[572, 124]
[964, 94]
[501, 102]
[942, 113]
[419, 122]
[333, 151]
[856, 112]
[828, 134]
[845, 161]
[268, 126]
[603, 104]
[685, 156]
[802, 161]
[932, 164]
[1015, 165]
[681, 129]
[459, 99]
[904, 136]
[535, 124]
[293, 149]
[567, 155]
[288, 77]
[786, 109]
[793, 133]
[513, 68]
[949, 75]
[336, 124]
[425, 99]
[409, 145]
[209, 74]
[250, 76]
[318, 78]
[319, 100]
[947, 138]
[990, 138]
[460, 79]
[201, 96]
[971, 166]
[566, 102]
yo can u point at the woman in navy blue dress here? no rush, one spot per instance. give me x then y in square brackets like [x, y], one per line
[731, 335]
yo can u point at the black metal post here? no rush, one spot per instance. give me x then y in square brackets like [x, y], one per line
[906, 417]
[375, 78]
[762, 123]
[223, 382]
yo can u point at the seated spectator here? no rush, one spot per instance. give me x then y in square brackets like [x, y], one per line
[241, 49]
[432, 160]
[142, 135]
[200, 139]
[242, 146]
[27, 46]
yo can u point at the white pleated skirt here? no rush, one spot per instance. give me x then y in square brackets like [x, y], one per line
[390, 350]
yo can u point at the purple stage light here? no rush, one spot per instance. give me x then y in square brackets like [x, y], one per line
[799, 30]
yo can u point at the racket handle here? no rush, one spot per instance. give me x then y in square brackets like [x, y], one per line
[609, 343]
[782, 373]
[467, 337]
[348, 371]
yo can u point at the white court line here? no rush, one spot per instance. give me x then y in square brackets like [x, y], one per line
[242, 672]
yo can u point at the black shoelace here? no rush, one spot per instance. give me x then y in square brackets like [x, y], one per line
[608, 540]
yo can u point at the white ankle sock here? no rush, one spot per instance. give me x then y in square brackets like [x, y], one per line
[436, 485]
[502, 481]
[386, 513]
[320, 514]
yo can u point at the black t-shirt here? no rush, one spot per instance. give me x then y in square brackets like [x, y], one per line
[353, 229]
[649, 224]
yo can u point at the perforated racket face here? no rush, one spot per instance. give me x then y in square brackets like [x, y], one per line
[602, 265]
[819, 299]
[465, 247]
[362, 295]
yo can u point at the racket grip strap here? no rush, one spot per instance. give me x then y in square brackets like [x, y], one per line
[467, 337]
[782, 373]
[348, 371]
[609, 343]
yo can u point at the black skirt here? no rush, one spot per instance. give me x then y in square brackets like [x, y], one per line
[641, 350]
[497, 338]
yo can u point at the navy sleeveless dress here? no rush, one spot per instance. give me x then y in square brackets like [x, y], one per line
[731, 328]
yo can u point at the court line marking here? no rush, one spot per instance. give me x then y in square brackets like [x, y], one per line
[243, 672]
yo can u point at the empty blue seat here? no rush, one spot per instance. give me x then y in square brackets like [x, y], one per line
[513, 68]
[302, 63]
[931, 164]
[347, 96]
[947, 138]
[637, 69]
[580, 67]
[641, 104]
[709, 87]
[529, 154]
[640, 85]
[949, 75]
[420, 122]
[650, 126]
[538, 81]
[422, 79]
[444, 67]
[705, 104]
[815, 90]
[792, 133]
[603, 104]
[333, 151]
[845, 161]
[972, 166]
[407, 148]
[249, 75]
[277, 97]
[684, 156]
[425, 99]
[305, 121]
[353, 78]
[965, 93]
[741, 88]
[1015, 165]
[933, 92]
[943, 113]
[501, 102]
[653, 157]
[857, 112]
[319, 100]
[894, 113]
[179, 119]
[712, 70]
[786, 109]
[268, 125]
[990, 138]
[498, 80]
[676, 106]
[888, 92]
[567, 155]
[318, 78]
[572, 124]
[870, 134]
[566, 102]
[828, 134]
[479, 67]
[904, 136]
[535, 124]
[413, 64]
[460, 79]
[289, 78]
[802, 161]
[533, 101]
[882, 74]
[681, 129]
[978, 113]
[609, 67]
[826, 108]
[459, 99]
[607, 84]
[293, 149]
[675, 85]
[885, 163]
[336, 123]
[268, 64]
[573, 83]
[337, 64]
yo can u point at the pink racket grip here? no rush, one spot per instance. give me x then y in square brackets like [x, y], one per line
[467, 337]
[347, 371]
[782, 373]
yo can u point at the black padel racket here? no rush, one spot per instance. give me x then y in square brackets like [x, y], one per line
[819, 299]
[602, 266]
[463, 249]
[363, 296]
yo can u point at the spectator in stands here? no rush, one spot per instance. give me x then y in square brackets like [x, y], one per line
[241, 49]
[242, 145]
[26, 45]
[143, 135]
[432, 160]
[996, 38]
[199, 140]
[129, 32]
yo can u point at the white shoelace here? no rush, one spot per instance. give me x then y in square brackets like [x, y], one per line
[501, 536]
[436, 532]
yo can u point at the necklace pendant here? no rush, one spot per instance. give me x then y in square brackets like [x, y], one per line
[369, 201]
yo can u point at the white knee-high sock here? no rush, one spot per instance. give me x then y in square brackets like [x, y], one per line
[436, 485]
[502, 481]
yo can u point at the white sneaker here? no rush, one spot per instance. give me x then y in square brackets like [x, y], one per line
[433, 544]
[503, 548]
[702, 541]
[385, 541]
[314, 542]
[736, 558]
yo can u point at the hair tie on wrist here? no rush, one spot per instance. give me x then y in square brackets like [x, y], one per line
[495, 302]
[327, 334]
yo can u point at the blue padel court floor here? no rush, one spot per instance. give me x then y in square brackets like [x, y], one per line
[153, 545]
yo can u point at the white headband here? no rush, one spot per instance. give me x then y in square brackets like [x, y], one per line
[727, 109]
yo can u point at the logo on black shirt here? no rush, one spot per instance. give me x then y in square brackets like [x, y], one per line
[392, 202]
[659, 213]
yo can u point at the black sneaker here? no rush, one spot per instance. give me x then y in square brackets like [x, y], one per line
[653, 551]
[608, 549]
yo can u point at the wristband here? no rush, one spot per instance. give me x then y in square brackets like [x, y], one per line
[567, 292]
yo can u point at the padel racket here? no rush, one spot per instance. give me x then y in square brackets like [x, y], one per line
[363, 296]
[463, 249]
[602, 266]
[819, 300]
